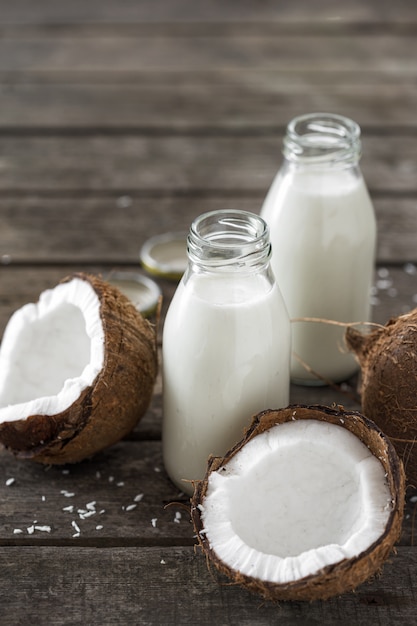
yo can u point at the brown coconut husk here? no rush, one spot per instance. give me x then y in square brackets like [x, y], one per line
[388, 361]
[110, 408]
[334, 579]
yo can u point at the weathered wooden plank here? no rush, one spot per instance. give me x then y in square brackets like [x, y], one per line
[296, 52]
[99, 229]
[154, 586]
[157, 11]
[395, 290]
[272, 80]
[114, 480]
[230, 102]
[188, 164]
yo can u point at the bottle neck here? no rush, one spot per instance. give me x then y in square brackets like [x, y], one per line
[322, 140]
[228, 241]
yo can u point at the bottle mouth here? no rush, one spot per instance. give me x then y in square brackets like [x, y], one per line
[321, 138]
[228, 238]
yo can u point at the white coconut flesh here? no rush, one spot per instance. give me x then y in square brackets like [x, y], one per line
[296, 498]
[51, 351]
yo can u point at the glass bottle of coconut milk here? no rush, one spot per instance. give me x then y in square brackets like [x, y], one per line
[226, 343]
[323, 235]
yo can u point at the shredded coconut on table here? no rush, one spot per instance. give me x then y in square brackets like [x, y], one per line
[85, 514]
[67, 494]
[75, 526]
[44, 529]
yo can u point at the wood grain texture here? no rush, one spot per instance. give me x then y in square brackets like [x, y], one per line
[112, 228]
[155, 586]
[182, 11]
[232, 101]
[228, 49]
[138, 164]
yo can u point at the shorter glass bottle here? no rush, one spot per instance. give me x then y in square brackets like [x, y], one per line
[322, 225]
[226, 343]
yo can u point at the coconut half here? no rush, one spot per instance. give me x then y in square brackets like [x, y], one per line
[308, 505]
[77, 371]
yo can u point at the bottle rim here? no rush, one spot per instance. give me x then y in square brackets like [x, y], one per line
[228, 237]
[322, 138]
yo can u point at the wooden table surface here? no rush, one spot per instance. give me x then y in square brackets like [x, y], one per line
[122, 120]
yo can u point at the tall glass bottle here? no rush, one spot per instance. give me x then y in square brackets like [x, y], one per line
[226, 343]
[322, 224]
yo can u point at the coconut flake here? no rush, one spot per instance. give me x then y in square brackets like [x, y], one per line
[43, 529]
[75, 526]
[67, 494]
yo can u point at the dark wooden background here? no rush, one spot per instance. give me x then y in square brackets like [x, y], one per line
[120, 120]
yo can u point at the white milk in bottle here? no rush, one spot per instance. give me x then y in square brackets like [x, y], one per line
[226, 343]
[323, 234]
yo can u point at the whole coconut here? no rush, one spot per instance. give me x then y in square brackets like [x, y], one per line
[77, 371]
[388, 360]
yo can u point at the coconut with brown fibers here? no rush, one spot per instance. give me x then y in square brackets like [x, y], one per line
[307, 506]
[388, 360]
[77, 371]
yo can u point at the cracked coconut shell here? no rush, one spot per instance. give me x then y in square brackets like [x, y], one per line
[307, 506]
[77, 371]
